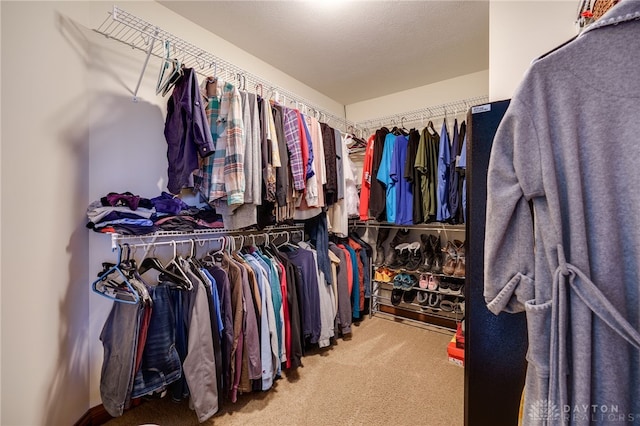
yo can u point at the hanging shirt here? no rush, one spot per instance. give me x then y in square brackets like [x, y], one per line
[404, 196]
[377, 203]
[453, 174]
[412, 175]
[444, 161]
[384, 176]
[365, 184]
[329, 146]
[294, 144]
[225, 169]
[185, 140]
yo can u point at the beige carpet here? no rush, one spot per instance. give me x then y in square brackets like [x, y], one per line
[389, 373]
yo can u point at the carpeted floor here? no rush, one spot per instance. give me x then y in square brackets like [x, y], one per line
[389, 373]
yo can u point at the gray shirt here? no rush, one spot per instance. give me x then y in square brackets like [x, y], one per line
[568, 146]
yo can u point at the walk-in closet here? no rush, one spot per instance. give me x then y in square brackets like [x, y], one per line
[247, 212]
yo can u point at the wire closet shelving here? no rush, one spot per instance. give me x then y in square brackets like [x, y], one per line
[149, 38]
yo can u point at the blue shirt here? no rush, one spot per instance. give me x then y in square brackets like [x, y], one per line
[216, 299]
[444, 162]
[404, 193]
[384, 176]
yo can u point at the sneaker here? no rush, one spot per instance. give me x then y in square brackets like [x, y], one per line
[434, 283]
[424, 281]
[423, 298]
[396, 296]
[401, 256]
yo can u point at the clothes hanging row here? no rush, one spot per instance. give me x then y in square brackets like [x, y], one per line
[208, 327]
[416, 176]
[256, 162]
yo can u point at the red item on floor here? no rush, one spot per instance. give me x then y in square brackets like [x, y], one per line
[460, 337]
[456, 355]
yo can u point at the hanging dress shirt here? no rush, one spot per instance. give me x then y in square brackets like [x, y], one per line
[444, 162]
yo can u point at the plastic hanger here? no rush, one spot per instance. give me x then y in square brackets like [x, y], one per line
[175, 267]
[176, 74]
[107, 285]
[164, 66]
[153, 263]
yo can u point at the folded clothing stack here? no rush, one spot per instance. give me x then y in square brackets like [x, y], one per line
[129, 214]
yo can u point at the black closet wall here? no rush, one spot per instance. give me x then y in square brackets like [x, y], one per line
[495, 346]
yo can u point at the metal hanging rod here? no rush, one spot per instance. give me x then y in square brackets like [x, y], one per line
[142, 35]
[423, 114]
[166, 237]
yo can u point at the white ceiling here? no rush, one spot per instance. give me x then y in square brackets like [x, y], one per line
[354, 50]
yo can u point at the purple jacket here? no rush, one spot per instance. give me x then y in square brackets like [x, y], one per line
[186, 130]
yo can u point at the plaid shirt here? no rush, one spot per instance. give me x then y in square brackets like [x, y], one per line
[202, 180]
[294, 145]
[225, 172]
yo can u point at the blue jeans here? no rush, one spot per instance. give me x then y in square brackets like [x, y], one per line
[160, 361]
[119, 338]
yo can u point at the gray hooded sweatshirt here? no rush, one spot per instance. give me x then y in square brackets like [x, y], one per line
[563, 224]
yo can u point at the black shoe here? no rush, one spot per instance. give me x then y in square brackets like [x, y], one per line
[426, 248]
[415, 256]
[401, 257]
[400, 237]
[436, 265]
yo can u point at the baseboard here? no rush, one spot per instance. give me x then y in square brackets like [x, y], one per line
[95, 416]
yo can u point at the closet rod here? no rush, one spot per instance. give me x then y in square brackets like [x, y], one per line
[117, 239]
[423, 114]
[243, 238]
[139, 34]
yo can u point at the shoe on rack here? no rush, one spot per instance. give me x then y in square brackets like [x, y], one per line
[450, 258]
[396, 296]
[414, 256]
[434, 300]
[409, 295]
[444, 287]
[434, 283]
[402, 236]
[448, 305]
[383, 233]
[436, 265]
[424, 281]
[423, 298]
[426, 248]
[455, 288]
[460, 268]
[401, 258]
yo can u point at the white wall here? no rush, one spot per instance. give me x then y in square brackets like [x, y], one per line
[45, 305]
[70, 134]
[521, 31]
[454, 89]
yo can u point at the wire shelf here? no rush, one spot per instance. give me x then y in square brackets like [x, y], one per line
[142, 35]
[423, 114]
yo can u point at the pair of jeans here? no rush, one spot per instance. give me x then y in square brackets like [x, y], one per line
[160, 361]
[119, 338]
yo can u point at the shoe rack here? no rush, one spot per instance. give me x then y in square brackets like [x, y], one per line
[418, 273]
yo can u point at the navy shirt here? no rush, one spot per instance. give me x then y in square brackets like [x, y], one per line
[186, 130]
